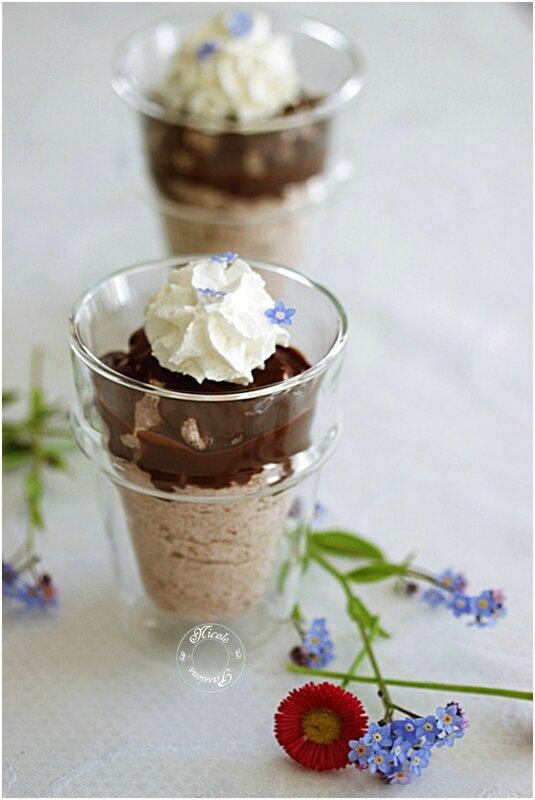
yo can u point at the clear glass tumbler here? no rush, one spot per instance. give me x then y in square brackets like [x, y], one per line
[206, 497]
[248, 186]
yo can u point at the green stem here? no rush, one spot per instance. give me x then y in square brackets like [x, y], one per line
[492, 691]
[361, 655]
[36, 370]
[298, 622]
[421, 575]
[334, 572]
[406, 711]
[383, 690]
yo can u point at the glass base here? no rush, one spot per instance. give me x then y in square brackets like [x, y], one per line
[157, 634]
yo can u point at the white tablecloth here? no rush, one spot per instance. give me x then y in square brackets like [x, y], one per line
[429, 247]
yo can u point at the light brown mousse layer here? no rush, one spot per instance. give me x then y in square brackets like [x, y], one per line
[204, 561]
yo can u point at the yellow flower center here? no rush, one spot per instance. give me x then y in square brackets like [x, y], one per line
[361, 750]
[314, 639]
[447, 582]
[377, 736]
[378, 759]
[416, 760]
[321, 725]
[483, 603]
[279, 314]
[448, 718]
[428, 726]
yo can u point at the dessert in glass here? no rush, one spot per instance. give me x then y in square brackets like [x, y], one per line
[241, 126]
[206, 398]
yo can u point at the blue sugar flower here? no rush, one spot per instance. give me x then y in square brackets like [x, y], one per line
[280, 314]
[399, 776]
[449, 739]
[427, 728]
[224, 258]
[419, 759]
[434, 597]
[406, 728]
[448, 718]
[239, 24]
[212, 292]
[378, 761]
[461, 604]
[207, 49]
[453, 581]
[378, 736]
[359, 753]
[399, 751]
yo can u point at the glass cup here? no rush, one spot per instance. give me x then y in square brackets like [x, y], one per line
[248, 186]
[206, 498]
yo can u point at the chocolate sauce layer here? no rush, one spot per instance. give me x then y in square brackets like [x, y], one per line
[244, 165]
[212, 444]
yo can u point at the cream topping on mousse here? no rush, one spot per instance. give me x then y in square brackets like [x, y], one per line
[214, 320]
[234, 67]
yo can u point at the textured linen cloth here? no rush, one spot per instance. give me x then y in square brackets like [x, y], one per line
[429, 249]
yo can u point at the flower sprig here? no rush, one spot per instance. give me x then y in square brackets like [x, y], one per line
[321, 547]
[37, 442]
[449, 591]
[393, 748]
[316, 648]
[402, 748]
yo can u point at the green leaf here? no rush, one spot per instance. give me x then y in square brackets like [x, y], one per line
[15, 459]
[360, 614]
[341, 543]
[13, 443]
[9, 396]
[37, 401]
[375, 572]
[54, 458]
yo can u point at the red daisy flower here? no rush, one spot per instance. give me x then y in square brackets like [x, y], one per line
[314, 723]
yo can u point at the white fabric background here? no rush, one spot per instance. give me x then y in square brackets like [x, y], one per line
[429, 247]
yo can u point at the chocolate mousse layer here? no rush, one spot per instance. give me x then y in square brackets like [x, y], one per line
[241, 165]
[180, 442]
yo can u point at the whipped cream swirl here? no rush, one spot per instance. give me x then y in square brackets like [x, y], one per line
[209, 321]
[234, 67]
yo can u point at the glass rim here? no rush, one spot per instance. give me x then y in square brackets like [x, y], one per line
[315, 29]
[94, 362]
